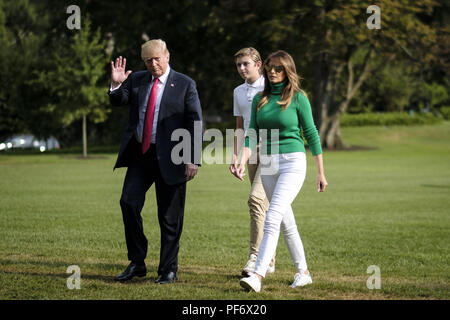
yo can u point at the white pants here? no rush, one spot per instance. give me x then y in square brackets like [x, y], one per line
[282, 177]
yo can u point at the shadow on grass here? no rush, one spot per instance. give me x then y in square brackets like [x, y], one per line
[89, 157]
[67, 150]
[353, 148]
[185, 278]
[107, 277]
[18, 267]
[435, 186]
[233, 276]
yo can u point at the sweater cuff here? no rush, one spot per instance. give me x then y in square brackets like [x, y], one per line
[316, 149]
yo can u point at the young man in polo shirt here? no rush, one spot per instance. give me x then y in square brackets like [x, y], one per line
[248, 63]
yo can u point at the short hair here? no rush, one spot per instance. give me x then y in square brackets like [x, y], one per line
[248, 52]
[154, 44]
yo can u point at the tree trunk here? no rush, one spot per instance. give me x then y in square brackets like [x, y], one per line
[84, 129]
[320, 62]
[326, 72]
[327, 111]
[330, 131]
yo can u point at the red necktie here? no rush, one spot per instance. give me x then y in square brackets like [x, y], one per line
[149, 115]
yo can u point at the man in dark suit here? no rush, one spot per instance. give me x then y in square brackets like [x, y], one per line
[161, 101]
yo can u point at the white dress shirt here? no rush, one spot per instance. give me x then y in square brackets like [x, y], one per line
[143, 108]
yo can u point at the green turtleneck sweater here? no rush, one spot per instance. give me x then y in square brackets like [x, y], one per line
[296, 118]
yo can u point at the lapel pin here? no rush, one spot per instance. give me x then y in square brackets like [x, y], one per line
[172, 85]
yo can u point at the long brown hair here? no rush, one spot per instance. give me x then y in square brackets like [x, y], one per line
[292, 80]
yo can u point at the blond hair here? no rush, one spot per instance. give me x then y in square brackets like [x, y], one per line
[154, 45]
[249, 52]
[292, 80]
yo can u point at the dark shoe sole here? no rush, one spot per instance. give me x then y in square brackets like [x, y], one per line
[165, 281]
[140, 275]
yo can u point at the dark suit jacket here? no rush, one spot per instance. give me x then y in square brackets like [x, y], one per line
[179, 108]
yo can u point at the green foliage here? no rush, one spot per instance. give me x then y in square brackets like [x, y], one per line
[48, 81]
[76, 81]
[445, 112]
[437, 94]
[388, 119]
[22, 37]
[391, 89]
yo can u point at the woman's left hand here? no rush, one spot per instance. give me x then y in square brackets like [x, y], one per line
[321, 183]
[239, 173]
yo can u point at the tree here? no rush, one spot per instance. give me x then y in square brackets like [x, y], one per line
[340, 59]
[21, 39]
[385, 90]
[346, 52]
[77, 83]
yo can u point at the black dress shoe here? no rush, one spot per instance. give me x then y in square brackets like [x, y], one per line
[133, 270]
[167, 278]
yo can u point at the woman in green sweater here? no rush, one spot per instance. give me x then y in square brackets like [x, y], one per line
[283, 110]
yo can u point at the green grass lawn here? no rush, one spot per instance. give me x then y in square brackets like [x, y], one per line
[387, 204]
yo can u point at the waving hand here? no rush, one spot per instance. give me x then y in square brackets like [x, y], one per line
[118, 74]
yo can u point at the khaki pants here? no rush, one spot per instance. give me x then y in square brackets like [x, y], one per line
[258, 205]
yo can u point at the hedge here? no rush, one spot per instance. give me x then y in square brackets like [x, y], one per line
[388, 119]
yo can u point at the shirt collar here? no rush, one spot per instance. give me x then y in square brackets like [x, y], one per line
[257, 83]
[163, 78]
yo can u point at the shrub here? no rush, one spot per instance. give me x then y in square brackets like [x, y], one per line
[388, 119]
[445, 112]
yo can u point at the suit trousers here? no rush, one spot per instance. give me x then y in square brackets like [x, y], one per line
[143, 171]
[282, 177]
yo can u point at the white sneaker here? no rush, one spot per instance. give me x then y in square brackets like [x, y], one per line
[250, 266]
[301, 279]
[251, 283]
